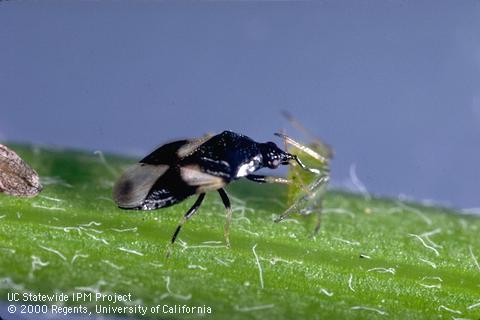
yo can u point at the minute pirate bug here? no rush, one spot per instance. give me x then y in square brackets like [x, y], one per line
[180, 169]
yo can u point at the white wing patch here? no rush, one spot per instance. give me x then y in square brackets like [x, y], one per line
[133, 186]
[193, 176]
[249, 167]
[192, 145]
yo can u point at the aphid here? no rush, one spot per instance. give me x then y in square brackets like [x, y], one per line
[183, 168]
[17, 178]
[306, 194]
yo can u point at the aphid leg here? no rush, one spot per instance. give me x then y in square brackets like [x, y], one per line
[267, 179]
[317, 188]
[188, 215]
[320, 186]
[318, 220]
[315, 208]
[304, 167]
[287, 212]
[226, 203]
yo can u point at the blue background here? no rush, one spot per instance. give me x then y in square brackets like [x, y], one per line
[394, 86]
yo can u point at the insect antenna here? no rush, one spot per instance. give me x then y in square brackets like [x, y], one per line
[315, 189]
[303, 148]
[325, 148]
[304, 167]
[295, 172]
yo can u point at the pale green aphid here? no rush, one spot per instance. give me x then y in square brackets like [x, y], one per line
[307, 192]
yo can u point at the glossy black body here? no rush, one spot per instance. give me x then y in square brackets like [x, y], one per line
[222, 156]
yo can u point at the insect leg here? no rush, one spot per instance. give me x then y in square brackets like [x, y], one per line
[317, 188]
[319, 218]
[314, 208]
[226, 203]
[267, 179]
[188, 215]
[304, 167]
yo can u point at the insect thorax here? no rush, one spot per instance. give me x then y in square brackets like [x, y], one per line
[229, 155]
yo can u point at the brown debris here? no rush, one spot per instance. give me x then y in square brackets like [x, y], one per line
[17, 178]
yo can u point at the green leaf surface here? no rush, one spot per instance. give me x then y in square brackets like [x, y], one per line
[372, 259]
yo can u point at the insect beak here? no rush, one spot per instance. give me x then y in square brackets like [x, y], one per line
[304, 167]
[287, 158]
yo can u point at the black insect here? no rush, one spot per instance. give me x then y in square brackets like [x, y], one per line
[180, 169]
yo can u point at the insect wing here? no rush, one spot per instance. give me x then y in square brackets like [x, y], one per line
[173, 152]
[192, 145]
[134, 185]
[166, 154]
[193, 176]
